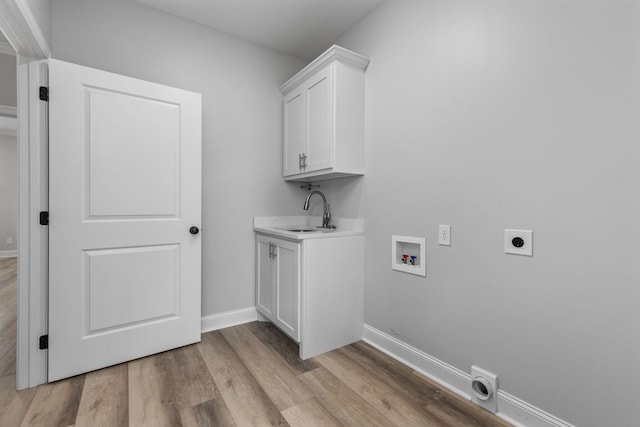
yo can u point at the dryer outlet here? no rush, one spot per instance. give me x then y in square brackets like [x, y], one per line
[484, 388]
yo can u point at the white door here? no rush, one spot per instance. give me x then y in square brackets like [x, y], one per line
[125, 271]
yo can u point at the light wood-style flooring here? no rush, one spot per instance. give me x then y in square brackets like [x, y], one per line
[247, 375]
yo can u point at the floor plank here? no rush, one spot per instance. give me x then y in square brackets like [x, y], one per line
[384, 398]
[105, 398]
[341, 401]
[162, 385]
[14, 403]
[310, 413]
[393, 373]
[55, 404]
[211, 413]
[247, 401]
[272, 373]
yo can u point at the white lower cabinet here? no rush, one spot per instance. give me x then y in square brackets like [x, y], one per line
[278, 283]
[312, 289]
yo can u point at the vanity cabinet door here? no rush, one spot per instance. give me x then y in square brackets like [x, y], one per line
[287, 269]
[320, 121]
[278, 283]
[308, 125]
[295, 131]
[265, 277]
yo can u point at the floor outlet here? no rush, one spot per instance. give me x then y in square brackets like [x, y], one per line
[444, 235]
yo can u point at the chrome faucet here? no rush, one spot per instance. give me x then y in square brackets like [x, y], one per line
[326, 215]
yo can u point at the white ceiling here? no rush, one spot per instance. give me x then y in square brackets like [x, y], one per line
[302, 28]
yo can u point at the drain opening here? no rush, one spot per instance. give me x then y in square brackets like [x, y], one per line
[481, 388]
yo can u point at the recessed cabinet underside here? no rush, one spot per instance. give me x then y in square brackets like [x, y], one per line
[324, 118]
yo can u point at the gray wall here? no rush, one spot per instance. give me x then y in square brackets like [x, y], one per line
[8, 192]
[42, 12]
[242, 115]
[501, 114]
[8, 80]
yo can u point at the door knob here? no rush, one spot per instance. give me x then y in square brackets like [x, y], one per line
[194, 230]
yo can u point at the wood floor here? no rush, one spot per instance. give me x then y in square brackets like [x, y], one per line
[247, 375]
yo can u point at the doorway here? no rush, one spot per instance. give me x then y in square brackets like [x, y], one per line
[8, 211]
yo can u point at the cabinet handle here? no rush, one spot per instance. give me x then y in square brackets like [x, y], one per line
[304, 161]
[299, 161]
[275, 250]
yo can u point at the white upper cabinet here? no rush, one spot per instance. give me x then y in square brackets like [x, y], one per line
[324, 118]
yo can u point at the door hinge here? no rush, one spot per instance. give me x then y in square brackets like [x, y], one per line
[44, 93]
[44, 342]
[44, 218]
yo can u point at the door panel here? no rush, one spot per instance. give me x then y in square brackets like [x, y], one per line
[295, 134]
[320, 116]
[125, 278]
[265, 276]
[288, 288]
[124, 130]
[125, 186]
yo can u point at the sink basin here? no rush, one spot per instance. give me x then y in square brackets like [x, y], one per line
[305, 229]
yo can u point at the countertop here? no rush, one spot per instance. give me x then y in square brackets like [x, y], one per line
[273, 226]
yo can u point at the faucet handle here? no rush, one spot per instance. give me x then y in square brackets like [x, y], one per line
[326, 217]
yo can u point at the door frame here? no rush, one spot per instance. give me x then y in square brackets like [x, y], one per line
[21, 29]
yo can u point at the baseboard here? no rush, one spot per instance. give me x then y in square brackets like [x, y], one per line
[228, 318]
[8, 253]
[510, 408]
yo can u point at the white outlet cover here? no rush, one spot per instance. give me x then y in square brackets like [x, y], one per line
[526, 235]
[444, 235]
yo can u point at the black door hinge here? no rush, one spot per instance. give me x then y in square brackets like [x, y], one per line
[44, 93]
[44, 218]
[44, 342]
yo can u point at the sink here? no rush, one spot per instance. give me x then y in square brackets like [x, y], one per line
[305, 229]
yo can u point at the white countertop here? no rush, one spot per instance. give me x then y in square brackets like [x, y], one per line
[275, 226]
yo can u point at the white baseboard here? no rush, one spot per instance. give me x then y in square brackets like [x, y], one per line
[228, 318]
[8, 253]
[510, 408]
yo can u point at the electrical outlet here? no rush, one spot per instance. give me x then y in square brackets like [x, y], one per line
[444, 235]
[518, 242]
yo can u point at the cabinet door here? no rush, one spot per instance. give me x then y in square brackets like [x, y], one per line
[287, 266]
[320, 120]
[295, 131]
[265, 278]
